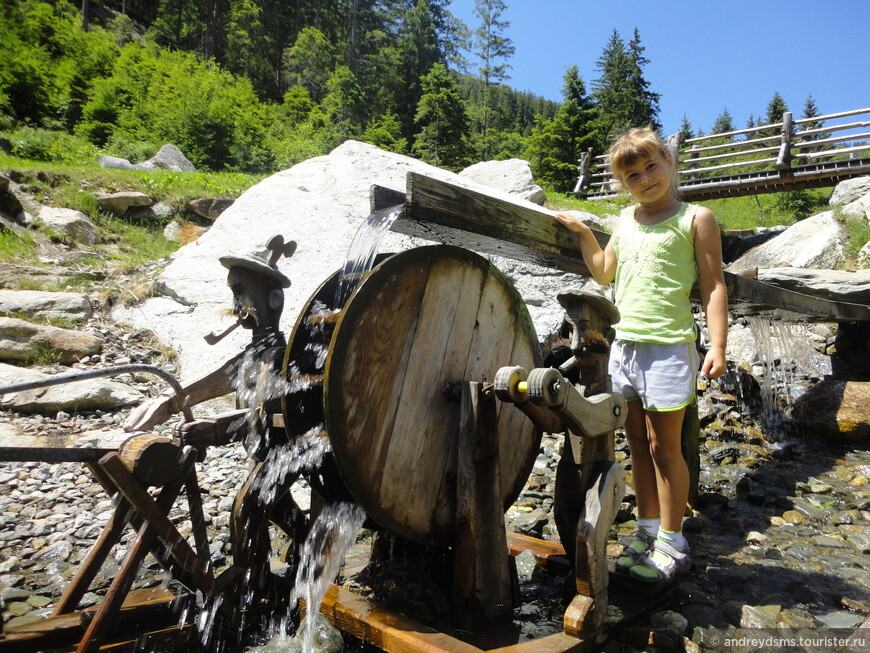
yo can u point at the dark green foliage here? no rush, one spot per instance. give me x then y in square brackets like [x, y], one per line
[557, 144]
[621, 92]
[724, 123]
[157, 95]
[443, 136]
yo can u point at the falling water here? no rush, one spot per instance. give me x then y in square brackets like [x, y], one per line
[328, 541]
[363, 250]
[783, 350]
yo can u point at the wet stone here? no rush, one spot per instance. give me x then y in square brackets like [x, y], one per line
[841, 620]
[860, 542]
[764, 616]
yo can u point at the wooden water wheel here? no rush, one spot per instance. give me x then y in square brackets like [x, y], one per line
[421, 323]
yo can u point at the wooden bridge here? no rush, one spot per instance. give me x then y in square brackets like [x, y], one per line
[790, 155]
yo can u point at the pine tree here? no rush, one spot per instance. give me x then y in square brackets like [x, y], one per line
[556, 145]
[686, 129]
[493, 49]
[644, 106]
[611, 89]
[417, 53]
[724, 123]
[443, 122]
[775, 108]
[309, 63]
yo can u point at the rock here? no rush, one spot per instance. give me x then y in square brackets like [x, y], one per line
[21, 340]
[118, 163]
[857, 210]
[94, 394]
[319, 203]
[47, 305]
[74, 224]
[863, 257]
[210, 208]
[119, 202]
[512, 176]
[835, 408]
[183, 231]
[169, 157]
[850, 190]
[841, 285]
[817, 242]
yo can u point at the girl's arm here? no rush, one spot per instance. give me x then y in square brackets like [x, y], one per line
[601, 262]
[714, 294]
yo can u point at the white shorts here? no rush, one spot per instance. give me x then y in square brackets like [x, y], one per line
[663, 377]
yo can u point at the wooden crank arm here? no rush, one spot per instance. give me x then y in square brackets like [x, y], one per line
[588, 611]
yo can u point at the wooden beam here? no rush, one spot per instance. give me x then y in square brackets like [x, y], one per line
[446, 213]
[391, 632]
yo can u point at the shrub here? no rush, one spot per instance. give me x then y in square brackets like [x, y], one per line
[45, 145]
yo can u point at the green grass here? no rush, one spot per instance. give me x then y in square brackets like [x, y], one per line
[858, 235]
[72, 186]
[17, 248]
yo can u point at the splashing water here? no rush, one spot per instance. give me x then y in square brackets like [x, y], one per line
[363, 250]
[305, 453]
[783, 350]
[330, 538]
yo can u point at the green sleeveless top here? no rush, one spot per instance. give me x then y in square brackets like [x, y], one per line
[655, 272]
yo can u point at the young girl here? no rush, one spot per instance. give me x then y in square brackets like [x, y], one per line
[657, 251]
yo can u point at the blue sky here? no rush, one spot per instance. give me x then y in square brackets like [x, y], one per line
[704, 55]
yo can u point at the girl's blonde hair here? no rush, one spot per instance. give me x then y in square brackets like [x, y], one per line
[638, 143]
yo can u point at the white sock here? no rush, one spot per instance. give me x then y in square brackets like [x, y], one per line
[675, 539]
[650, 525]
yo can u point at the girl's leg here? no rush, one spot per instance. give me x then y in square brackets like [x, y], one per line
[672, 473]
[642, 466]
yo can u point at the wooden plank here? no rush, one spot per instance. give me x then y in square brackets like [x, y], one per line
[555, 643]
[549, 556]
[444, 212]
[389, 631]
[66, 629]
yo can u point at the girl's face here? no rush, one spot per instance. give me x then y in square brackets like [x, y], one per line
[648, 179]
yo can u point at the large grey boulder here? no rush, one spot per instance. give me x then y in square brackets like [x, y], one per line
[850, 190]
[840, 285]
[320, 203]
[817, 242]
[168, 157]
[46, 305]
[106, 161]
[122, 201]
[74, 224]
[94, 394]
[21, 340]
[512, 176]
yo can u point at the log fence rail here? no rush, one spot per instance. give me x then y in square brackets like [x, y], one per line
[788, 155]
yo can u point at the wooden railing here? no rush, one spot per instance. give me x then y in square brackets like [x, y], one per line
[786, 155]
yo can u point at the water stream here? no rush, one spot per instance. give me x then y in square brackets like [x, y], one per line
[363, 250]
[334, 530]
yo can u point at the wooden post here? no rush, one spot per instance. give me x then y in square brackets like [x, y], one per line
[581, 188]
[783, 161]
[481, 574]
[674, 141]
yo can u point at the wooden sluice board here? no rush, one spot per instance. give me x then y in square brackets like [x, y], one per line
[447, 213]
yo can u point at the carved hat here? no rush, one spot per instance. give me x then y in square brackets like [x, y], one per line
[257, 261]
